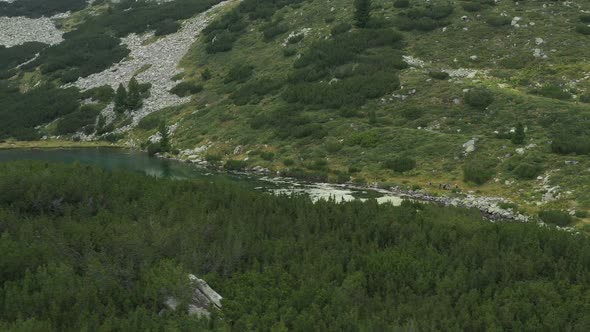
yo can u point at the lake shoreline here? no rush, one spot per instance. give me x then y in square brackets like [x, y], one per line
[488, 206]
[58, 144]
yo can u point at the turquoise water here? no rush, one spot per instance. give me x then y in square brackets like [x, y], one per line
[109, 159]
[140, 162]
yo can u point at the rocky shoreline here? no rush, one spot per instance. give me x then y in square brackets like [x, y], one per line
[488, 206]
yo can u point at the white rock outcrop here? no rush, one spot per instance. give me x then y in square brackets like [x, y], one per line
[469, 146]
[203, 299]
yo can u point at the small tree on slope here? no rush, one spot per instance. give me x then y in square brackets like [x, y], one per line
[519, 135]
[121, 99]
[134, 100]
[362, 12]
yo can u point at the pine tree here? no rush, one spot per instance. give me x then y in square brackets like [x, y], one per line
[372, 117]
[121, 99]
[134, 100]
[362, 13]
[206, 74]
[165, 141]
[519, 135]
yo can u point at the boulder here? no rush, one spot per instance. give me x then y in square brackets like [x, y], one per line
[239, 149]
[469, 146]
[204, 298]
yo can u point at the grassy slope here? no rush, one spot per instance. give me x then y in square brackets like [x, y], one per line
[213, 118]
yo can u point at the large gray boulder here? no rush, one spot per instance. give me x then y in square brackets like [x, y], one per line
[203, 300]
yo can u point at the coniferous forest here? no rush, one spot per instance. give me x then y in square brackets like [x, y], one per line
[85, 249]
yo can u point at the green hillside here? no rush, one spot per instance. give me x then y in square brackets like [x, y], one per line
[491, 98]
[314, 107]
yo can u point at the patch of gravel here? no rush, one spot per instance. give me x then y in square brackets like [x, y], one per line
[161, 59]
[19, 30]
[462, 72]
[414, 62]
[453, 73]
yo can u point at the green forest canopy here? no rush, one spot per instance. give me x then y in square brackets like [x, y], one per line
[88, 249]
[38, 8]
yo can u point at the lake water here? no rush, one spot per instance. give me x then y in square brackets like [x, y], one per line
[140, 162]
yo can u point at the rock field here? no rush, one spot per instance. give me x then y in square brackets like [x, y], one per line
[153, 62]
[19, 30]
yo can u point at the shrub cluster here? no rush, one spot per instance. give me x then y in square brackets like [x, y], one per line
[518, 61]
[154, 148]
[352, 92]
[149, 122]
[365, 139]
[412, 113]
[223, 32]
[498, 21]
[401, 3]
[103, 94]
[346, 47]
[253, 91]
[552, 91]
[341, 28]
[439, 75]
[570, 142]
[356, 78]
[166, 27]
[583, 29]
[527, 171]
[267, 155]
[221, 35]
[479, 171]
[289, 122]
[235, 165]
[401, 164]
[472, 6]
[289, 51]
[36, 9]
[479, 98]
[425, 18]
[185, 89]
[239, 73]
[83, 118]
[11, 57]
[556, 217]
[79, 55]
[273, 29]
[20, 112]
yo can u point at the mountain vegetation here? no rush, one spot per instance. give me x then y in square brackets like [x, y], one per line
[348, 85]
[34, 9]
[426, 79]
[88, 249]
